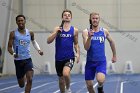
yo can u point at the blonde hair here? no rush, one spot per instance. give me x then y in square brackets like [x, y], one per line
[93, 13]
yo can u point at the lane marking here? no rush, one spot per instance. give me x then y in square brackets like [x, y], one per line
[118, 84]
[39, 86]
[70, 85]
[121, 88]
[94, 86]
[9, 87]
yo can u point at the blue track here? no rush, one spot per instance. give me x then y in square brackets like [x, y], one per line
[49, 84]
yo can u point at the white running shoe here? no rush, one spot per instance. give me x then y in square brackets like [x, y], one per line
[68, 91]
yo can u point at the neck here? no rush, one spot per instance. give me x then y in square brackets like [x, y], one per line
[21, 30]
[96, 29]
[66, 24]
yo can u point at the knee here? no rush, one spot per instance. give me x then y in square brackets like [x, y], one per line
[100, 82]
[29, 80]
[66, 72]
[100, 78]
[66, 75]
[61, 80]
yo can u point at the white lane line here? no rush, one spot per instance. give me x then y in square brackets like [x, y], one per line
[122, 84]
[40, 86]
[117, 85]
[8, 87]
[79, 91]
[121, 89]
[70, 85]
[94, 86]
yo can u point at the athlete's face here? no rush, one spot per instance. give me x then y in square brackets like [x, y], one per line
[95, 20]
[21, 22]
[67, 17]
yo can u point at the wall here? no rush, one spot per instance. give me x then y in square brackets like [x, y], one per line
[43, 15]
[4, 18]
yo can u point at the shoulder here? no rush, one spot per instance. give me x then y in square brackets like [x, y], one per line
[57, 27]
[75, 29]
[31, 33]
[106, 31]
[12, 33]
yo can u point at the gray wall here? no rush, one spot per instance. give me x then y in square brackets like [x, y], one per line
[43, 15]
[4, 27]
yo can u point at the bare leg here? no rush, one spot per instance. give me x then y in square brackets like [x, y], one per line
[62, 84]
[29, 76]
[66, 74]
[100, 78]
[90, 86]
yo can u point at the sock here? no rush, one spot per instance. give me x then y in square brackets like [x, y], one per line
[100, 89]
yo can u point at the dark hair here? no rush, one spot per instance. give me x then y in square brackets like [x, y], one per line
[66, 10]
[20, 16]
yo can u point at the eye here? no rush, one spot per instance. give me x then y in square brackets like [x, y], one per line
[69, 15]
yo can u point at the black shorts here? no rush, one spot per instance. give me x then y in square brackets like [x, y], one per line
[22, 66]
[59, 65]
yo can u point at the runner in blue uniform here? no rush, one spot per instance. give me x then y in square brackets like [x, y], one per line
[94, 43]
[19, 47]
[66, 38]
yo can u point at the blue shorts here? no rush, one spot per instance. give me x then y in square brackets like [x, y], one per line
[94, 67]
[22, 66]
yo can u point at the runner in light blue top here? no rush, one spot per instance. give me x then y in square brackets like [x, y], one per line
[19, 47]
[21, 44]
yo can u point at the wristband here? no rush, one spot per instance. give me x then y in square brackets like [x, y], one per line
[14, 54]
[39, 51]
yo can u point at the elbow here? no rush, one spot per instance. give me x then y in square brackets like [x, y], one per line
[48, 41]
[112, 43]
[8, 49]
[86, 48]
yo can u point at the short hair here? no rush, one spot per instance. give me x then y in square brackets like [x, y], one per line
[20, 16]
[66, 10]
[93, 13]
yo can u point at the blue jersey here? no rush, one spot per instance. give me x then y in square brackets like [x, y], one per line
[64, 45]
[21, 44]
[96, 51]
